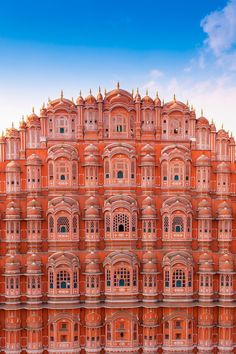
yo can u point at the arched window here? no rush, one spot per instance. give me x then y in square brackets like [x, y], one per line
[120, 174]
[177, 224]
[178, 279]
[63, 225]
[63, 280]
[121, 223]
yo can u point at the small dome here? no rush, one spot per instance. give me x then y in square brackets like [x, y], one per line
[147, 149]
[224, 210]
[12, 132]
[202, 121]
[149, 256]
[149, 212]
[34, 208]
[91, 149]
[33, 264]
[12, 209]
[147, 159]
[149, 267]
[204, 209]
[147, 100]
[99, 96]
[13, 166]
[12, 265]
[92, 212]
[34, 159]
[91, 159]
[147, 201]
[33, 119]
[205, 262]
[92, 201]
[90, 99]
[226, 263]
[79, 100]
[203, 160]
[92, 263]
[223, 167]
[137, 97]
[157, 100]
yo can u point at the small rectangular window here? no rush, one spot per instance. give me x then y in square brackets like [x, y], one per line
[62, 130]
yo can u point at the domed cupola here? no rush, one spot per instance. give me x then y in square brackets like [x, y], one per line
[205, 263]
[12, 211]
[12, 265]
[34, 209]
[226, 263]
[33, 264]
[80, 100]
[90, 100]
[147, 100]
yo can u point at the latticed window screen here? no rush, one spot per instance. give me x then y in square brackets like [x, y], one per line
[188, 224]
[108, 222]
[63, 280]
[134, 218]
[74, 171]
[166, 223]
[121, 277]
[177, 224]
[108, 277]
[51, 280]
[178, 279]
[51, 224]
[63, 224]
[75, 280]
[121, 223]
[167, 278]
[75, 224]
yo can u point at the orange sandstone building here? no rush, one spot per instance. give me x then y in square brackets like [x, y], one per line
[117, 229]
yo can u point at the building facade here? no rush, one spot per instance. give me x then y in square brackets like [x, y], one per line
[117, 229]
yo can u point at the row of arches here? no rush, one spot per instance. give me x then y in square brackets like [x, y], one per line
[120, 215]
[121, 275]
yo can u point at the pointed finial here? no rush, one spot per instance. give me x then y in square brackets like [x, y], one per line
[99, 89]
[146, 92]
[137, 91]
[90, 91]
[157, 96]
[191, 107]
[80, 93]
[12, 124]
[231, 134]
[174, 97]
[33, 109]
[49, 100]
[201, 112]
[222, 126]
[187, 104]
[105, 92]
[62, 94]
[132, 93]
[163, 102]
[22, 118]
[118, 85]
[72, 99]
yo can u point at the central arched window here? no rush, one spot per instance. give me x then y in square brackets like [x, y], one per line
[178, 279]
[120, 174]
[121, 223]
[63, 280]
[121, 277]
[63, 225]
[177, 224]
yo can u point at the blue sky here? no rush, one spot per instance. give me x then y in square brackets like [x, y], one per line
[181, 47]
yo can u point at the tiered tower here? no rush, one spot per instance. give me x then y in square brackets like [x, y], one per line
[117, 229]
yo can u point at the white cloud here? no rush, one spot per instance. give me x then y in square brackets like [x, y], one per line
[156, 73]
[220, 27]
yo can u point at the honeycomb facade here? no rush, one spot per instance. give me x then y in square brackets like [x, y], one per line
[117, 229]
